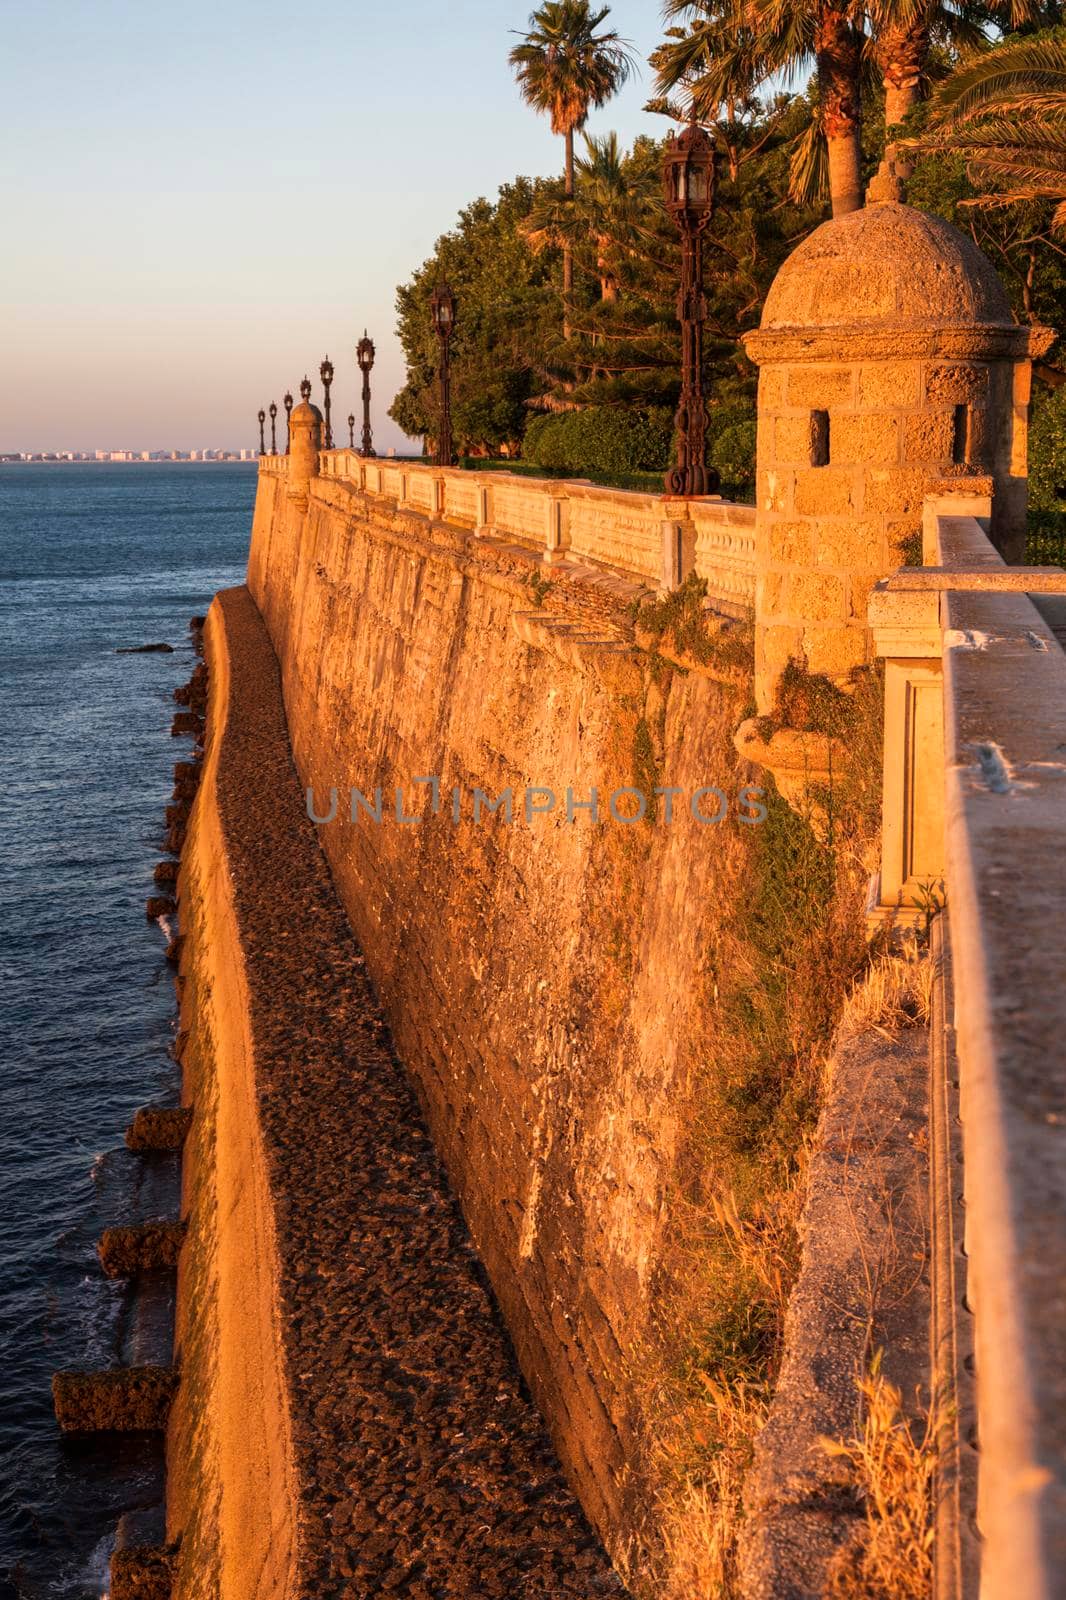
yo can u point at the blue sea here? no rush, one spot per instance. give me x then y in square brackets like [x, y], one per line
[92, 558]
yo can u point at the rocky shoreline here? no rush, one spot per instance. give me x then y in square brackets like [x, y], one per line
[138, 1398]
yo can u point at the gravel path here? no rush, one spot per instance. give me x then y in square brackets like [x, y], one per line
[424, 1469]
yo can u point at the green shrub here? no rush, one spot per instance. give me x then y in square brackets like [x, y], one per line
[733, 453]
[601, 439]
[1047, 453]
[535, 429]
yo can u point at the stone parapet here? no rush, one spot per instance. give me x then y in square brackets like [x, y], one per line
[975, 808]
[657, 539]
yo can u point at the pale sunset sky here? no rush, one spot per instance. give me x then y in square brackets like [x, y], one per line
[201, 201]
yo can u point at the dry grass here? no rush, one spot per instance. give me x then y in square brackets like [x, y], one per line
[701, 1518]
[894, 993]
[785, 942]
[893, 1471]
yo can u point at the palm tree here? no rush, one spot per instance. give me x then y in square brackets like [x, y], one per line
[732, 47]
[1005, 113]
[610, 208]
[904, 31]
[565, 69]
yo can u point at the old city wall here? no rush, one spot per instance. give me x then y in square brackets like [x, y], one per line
[544, 981]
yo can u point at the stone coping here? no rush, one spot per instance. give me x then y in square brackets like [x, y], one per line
[1005, 843]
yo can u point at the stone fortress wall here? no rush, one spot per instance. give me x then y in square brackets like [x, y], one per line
[543, 982]
[542, 979]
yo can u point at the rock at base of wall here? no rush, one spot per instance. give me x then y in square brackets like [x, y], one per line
[146, 1247]
[126, 1400]
[159, 1128]
[142, 1572]
[174, 838]
[159, 905]
[187, 722]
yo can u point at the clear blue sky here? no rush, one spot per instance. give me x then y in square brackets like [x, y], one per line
[200, 201]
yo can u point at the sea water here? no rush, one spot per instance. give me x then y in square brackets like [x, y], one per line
[93, 558]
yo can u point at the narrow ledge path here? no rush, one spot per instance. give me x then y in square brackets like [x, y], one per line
[423, 1469]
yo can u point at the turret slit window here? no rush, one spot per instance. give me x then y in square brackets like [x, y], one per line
[819, 438]
[960, 439]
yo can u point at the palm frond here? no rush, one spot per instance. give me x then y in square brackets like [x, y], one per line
[1013, 74]
[808, 168]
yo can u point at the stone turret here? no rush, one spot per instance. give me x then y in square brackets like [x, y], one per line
[889, 367]
[305, 442]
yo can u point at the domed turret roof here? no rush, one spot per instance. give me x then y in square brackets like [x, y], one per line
[886, 266]
[306, 412]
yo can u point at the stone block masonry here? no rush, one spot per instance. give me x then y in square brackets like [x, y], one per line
[545, 985]
[350, 1419]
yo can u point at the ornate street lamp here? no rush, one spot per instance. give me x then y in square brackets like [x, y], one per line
[443, 304]
[325, 372]
[273, 428]
[262, 441]
[689, 179]
[364, 354]
[305, 390]
[351, 430]
[287, 403]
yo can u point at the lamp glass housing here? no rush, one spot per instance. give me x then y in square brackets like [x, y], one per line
[443, 309]
[689, 176]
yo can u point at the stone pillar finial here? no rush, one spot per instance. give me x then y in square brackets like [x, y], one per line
[888, 186]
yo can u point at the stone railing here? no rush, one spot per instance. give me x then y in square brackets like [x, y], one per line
[975, 811]
[654, 539]
[277, 463]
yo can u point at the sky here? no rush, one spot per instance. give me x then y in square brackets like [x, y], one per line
[199, 202]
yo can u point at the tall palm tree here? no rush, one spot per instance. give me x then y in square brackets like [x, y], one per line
[903, 32]
[729, 48]
[610, 209]
[1004, 111]
[565, 68]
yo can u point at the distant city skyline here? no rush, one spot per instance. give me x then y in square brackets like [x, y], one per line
[186, 453]
[196, 216]
[207, 453]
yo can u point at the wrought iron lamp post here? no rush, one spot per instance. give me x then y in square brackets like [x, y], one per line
[364, 354]
[351, 430]
[689, 179]
[287, 403]
[305, 390]
[273, 427]
[443, 304]
[262, 441]
[325, 372]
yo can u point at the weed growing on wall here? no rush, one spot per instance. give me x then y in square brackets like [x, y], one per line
[681, 623]
[785, 945]
[539, 587]
[893, 1467]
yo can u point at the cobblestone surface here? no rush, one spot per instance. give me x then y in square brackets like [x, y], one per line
[423, 1468]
